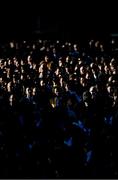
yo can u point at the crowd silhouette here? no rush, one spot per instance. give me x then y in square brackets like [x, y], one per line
[58, 109]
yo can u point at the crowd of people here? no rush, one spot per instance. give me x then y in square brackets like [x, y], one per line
[58, 109]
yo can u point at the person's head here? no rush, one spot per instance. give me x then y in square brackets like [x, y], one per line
[9, 62]
[66, 86]
[86, 97]
[101, 67]
[97, 43]
[34, 66]
[29, 59]
[22, 70]
[82, 70]
[83, 81]
[91, 42]
[21, 77]
[21, 62]
[5, 63]
[11, 99]
[54, 50]
[93, 91]
[33, 46]
[9, 87]
[28, 91]
[46, 58]
[56, 91]
[88, 75]
[57, 72]
[42, 83]
[41, 68]
[110, 90]
[34, 91]
[14, 80]
[67, 59]
[60, 63]
[106, 69]
[115, 95]
[75, 47]
[113, 65]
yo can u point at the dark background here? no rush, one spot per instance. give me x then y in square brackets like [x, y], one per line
[19, 20]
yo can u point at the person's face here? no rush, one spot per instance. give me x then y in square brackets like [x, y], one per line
[66, 87]
[66, 70]
[34, 66]
[56, 91]
[82, 70]
[106, 69]
[29, 59]
[21, 77]
[41, 69]
[34, 91]
[5, 63]
[9, 87]
[88, 76]
[112, 68]
[1, 80]
[54, 50]
[67, 59]
[11, 99]
[110, 90]
[28, 91]
[61, 82]
[22, 63]
[93, 91]
[14, 80]
[97, 44]
[57, 72]
[22, 70]
[69, 102]
[46, 58]
[9, 62]
[42, 83]
[34, 47]
[60, 63]
[115, 97]
[82, 81]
